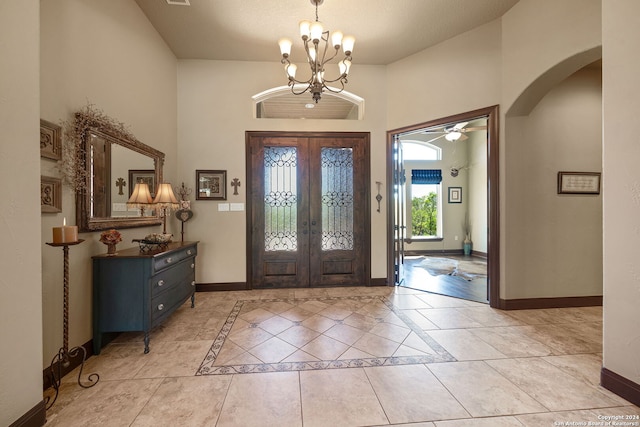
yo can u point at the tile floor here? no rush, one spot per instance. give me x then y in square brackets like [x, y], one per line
[348, 357]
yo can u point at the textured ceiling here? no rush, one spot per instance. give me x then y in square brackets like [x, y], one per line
[248, 30]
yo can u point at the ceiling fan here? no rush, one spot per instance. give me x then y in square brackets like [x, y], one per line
[453, 133]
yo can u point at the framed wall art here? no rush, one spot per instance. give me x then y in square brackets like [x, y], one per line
[50, 194]
[455, 194]
[578, 182]
[50, 140]
[147, 176]
[211, 185]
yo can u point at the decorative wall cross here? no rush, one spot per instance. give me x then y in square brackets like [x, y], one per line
[120, 183]
[235, 184]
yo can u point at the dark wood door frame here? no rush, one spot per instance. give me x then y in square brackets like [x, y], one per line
[364, 179]
[493, 202]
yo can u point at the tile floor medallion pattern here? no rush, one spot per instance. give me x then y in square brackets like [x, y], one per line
[300, 334]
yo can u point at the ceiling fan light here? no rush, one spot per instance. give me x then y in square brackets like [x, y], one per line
[285, 47]
[452, 136]
[347, 44]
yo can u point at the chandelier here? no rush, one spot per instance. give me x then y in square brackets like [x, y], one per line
[316, 45]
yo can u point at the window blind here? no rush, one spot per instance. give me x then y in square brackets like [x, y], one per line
[426, 176]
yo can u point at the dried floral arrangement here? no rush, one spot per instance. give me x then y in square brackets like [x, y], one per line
[72, 165]
[110, 237]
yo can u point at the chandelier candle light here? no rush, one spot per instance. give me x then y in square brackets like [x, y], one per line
[312, 35]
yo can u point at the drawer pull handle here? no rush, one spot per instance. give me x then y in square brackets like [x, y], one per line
[160, 307]
[189, 252]
[193, 283]
[193, 265]
[160, 282]
[169, 260]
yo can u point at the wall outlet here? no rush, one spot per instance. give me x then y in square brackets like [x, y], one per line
[456, 238]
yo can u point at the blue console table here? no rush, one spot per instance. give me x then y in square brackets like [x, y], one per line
[136, 291]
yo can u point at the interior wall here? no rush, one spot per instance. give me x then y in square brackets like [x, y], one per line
[214, 112]
[460, 74]
[621, 103]
[108, 54]
[21, 302]
[477, 194]
[557, 238]
[535, 40]
[538, 35]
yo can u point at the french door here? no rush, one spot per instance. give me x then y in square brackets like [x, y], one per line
[399, 214]
[308, 211]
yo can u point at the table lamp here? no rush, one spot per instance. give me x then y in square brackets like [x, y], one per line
[165, 200]
[140, 197]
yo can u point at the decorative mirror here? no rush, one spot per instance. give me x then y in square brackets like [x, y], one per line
[107, 159]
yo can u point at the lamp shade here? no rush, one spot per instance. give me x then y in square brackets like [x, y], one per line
[165, 196]
[140, 195]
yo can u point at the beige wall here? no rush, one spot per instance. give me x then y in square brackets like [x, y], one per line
[621, 103]
[555, 241]
[215, 110]
[540, 34]
[477, 195]
[458, 75]
[106, 53]
[536, 43]
[21, 302]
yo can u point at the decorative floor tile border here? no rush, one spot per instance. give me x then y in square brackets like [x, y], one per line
[207, 366]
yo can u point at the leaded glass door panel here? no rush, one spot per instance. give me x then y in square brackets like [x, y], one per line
[309, 210]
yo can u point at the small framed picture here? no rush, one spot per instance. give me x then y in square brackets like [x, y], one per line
[211, 185]
[50, 194]
[50, 140]
[146, 176]
[455, 194]
[578, 182]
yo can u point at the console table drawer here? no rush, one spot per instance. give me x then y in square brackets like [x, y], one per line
[165, 261]
[166, 302]
[165, 280]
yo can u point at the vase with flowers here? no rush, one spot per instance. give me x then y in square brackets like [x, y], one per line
[111, 238]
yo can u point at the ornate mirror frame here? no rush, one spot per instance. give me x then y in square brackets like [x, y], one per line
[114, 135]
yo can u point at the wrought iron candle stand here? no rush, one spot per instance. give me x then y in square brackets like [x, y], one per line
[62, 359]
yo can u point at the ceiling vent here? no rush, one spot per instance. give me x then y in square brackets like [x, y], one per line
[179, 2]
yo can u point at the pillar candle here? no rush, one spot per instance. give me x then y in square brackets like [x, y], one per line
[66, 233]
